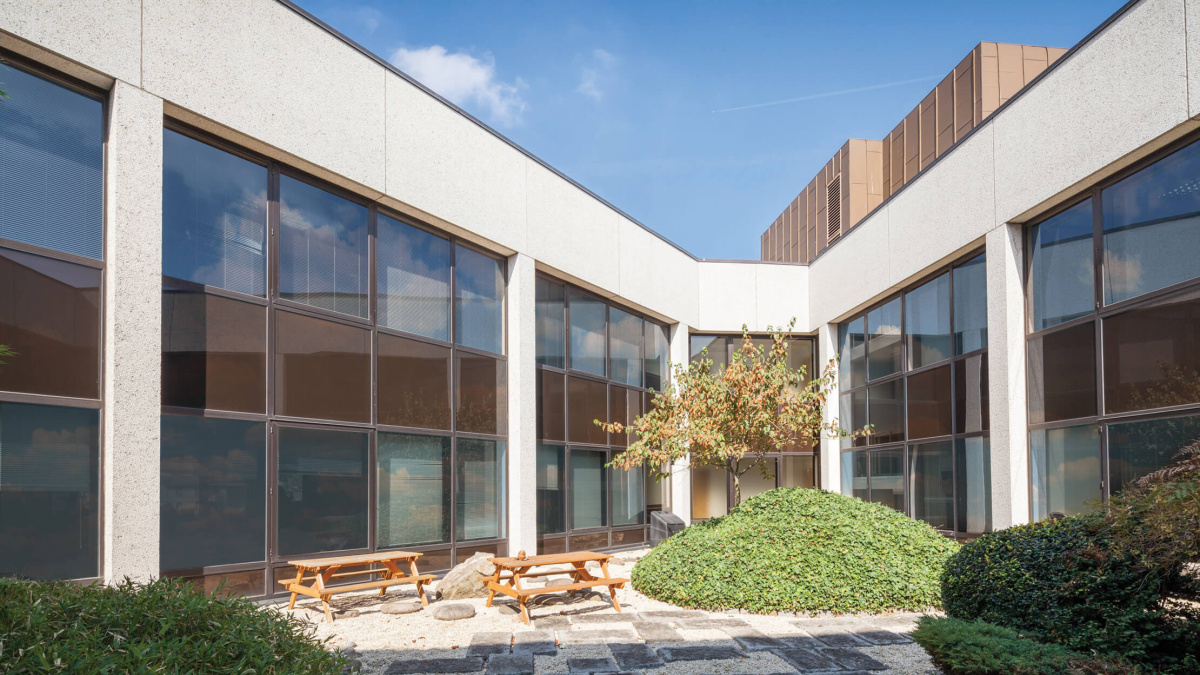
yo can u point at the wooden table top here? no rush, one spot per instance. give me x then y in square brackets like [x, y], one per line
[551, 559]
[361, 559]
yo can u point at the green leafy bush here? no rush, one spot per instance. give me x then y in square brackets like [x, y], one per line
[1068, 582]
[795, 549]
[979, 648]
[167, 626]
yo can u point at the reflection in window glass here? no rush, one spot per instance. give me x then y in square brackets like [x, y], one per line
[854, 416]
[49, 491]
[482, 395]
[887, 477]
[970, 305]
[929, 403]
[322, 249]
[1151, 358]
[322, 490]
[973, 460]
[51, 166]
[710, 492]
[552, 424]
[214, 352]
[587, 401]
[629, 496]
[414, 490]
[49, 316]
[625, 348]
[414, 383]
[481, 513]
[971, 394]
[852, 345]
[1064, 469]
[589, 489]
[214, 216]
[214, 492]
[885, 407]
[657, 356]
[927, 322]
[1062, 375]
[883, 340]
[753, 482]
[322, 369]
[854, 474]
[551, 489]
[1060, 274]
[588, 344]
[931, 483]
[549, 308]
[1138, 448]
[797, 472]
[624, 406]
[711, 348]
[1151, 222]
[800, 355]
[414, 279]
[478, 300]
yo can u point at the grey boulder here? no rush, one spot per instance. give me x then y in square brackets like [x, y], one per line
[463, 581]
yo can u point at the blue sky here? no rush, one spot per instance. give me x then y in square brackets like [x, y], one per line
[621, 96]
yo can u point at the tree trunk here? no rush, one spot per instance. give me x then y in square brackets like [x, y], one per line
[737, 484]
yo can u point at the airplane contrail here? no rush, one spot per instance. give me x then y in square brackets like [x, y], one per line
[827, 94]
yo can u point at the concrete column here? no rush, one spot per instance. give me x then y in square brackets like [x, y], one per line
[522, 406]
[681, 477]
[831, 475]
[132, 333]
[1006, 376]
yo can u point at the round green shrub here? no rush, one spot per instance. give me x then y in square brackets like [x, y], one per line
[794, 549]
[167, 626]
[1065, 582]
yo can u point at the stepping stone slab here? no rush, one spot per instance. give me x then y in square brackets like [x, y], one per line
[510, 664]
[843, 640]
[540, 642]
[552, 622]
[467, 665]
[652, 631]
[490, 643]
[852, 659]
[710, 623]
[884, 637]
[675, 614]
[591, 637]
[633, 655]
[699, 653]
[805, 659]
[799, 642]
[444, 612]
[604, 617]
[589, 666]
[400, 608]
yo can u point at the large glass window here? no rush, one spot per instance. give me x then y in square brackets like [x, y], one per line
[478, 300]
[49, 491]
[550, 311]
[628, 496]
[482, 395]
[589, 489]
[587, 401]
[50, 319]
[971, 394]
[1152, 355]
[214, 492]
[1060, 274]
[322, 249]
[414, 279]
[323, 488]
[1138, 448]
[852, 341]
[51, 166]
[927, 322]
[973, 484]
[322, 369]
[657, 356]
[714, 349]
[588, 335]
[1062, 375]
[887, 477]
[931, 483]
[885, 410]
[625, 347]
[481, 507]
[883, 340]
[214, 352]
[214, 216]
[1064, 466]
[414, 383]
[414, 490]
[929, 403]
[551, 489]
[970, 305]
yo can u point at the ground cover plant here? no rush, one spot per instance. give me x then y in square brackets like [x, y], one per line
[798, 549]
[977, 648]
[167, 626]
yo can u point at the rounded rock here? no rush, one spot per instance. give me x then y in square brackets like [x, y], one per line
[400, 607]
[509, 608]
[443, 612]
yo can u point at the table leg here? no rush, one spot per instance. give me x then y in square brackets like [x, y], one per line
[325, 604]
[612, 589]
[299, 578]
[524, 609]
[393, 572]
[323, 577]
[491, 591]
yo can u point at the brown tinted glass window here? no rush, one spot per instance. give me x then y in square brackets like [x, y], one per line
[414, 383]
[1137, 448]
[1152, 355]
[971, 394]
[482, 395]
[322, 369]
[587, 401]
[50, 318]
[551, 411]
[624, 407]
[885, 410]
[929, 403]
[214, 352]
[1062, 375]
[322, 490]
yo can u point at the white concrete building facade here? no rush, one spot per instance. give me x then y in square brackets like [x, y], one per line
[271, 298]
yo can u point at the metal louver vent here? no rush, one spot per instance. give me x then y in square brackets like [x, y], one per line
[833, 207]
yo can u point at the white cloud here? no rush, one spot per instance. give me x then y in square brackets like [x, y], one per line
[464, 79]
[370, 18]
[597, 74]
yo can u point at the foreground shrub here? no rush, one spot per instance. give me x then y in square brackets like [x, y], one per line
[167, 626]
[799, 549]
[1069, 582]
[978, 648]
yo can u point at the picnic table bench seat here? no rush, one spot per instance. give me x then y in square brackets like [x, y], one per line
[512, 570]
[320, 571]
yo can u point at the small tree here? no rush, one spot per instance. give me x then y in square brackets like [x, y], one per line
[755, 405]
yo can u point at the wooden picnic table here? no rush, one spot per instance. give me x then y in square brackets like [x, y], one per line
[525, 567]
[320, 571]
